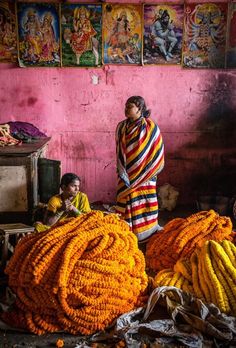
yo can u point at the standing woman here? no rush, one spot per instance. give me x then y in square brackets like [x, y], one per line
[140, 158]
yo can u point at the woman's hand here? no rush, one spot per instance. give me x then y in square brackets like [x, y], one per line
[65, 204]
[69, 206]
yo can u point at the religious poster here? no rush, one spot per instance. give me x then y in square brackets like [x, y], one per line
[204, 40]
[231, 37]
[162, 33]
[8, 42]
[81, 29]
[122, 34]
[38, 34]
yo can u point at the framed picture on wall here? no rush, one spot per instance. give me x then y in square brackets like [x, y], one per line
[8, 42]
[38, 34]
[81, 32]
[122, 34]
[231, 37]
[162, 33]
[204, 41]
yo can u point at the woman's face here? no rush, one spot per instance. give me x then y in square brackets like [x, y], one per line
[132, 111]
[72, 189]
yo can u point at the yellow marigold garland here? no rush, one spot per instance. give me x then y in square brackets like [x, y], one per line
[213, 275]
[78, 276]
[196, 275]
[183, 266]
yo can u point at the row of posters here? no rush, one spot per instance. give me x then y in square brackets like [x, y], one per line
[196, 35]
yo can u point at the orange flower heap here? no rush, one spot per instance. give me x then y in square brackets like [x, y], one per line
[78, 276]
[180, 237]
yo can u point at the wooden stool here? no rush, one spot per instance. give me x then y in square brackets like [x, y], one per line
[17, 230]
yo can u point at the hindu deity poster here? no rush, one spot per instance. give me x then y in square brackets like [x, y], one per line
[8, 42]
[38, 34]
[162, 33]
[122, 34]
[81, 29]
[204, 41]
[231, 37]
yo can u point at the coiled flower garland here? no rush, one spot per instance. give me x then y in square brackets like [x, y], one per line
[180, 237]
[78, 276]
[209, 274]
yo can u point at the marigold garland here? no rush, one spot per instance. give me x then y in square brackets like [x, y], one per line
[180, 237]
[78, 276]
[212, 277]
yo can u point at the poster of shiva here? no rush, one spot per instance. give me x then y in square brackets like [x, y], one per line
[162, 33]
[8, 42]
[81, 29]
[122, 34]
[231, 37]
[204, 40]
[39, 34]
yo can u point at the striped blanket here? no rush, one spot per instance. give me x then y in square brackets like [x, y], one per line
[140, 157]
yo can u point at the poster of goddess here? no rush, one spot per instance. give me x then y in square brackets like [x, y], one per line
[205, 35]
[8, 42]
[122, 34]
[81, 28]
[231, 37]
[38, 34]
[163, 31]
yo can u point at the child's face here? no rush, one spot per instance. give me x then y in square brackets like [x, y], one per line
[72, 189]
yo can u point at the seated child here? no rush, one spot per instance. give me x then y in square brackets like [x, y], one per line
[71, 202]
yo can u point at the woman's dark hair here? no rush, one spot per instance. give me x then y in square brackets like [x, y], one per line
[69, 178]
[141, 105]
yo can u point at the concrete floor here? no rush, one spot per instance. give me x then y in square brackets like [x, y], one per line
[23, 340]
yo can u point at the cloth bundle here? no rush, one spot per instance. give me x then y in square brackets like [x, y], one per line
[5, 137]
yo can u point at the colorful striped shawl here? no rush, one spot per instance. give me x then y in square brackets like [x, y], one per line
[140, 156]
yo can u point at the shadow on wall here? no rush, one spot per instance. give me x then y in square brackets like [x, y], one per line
[220, 119]
[214, 148]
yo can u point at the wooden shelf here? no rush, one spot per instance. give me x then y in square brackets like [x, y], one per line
[24, 149]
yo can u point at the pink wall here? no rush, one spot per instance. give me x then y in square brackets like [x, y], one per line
[195, 110]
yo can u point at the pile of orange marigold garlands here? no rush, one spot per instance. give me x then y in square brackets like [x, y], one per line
[180, 237]
[78, 276]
